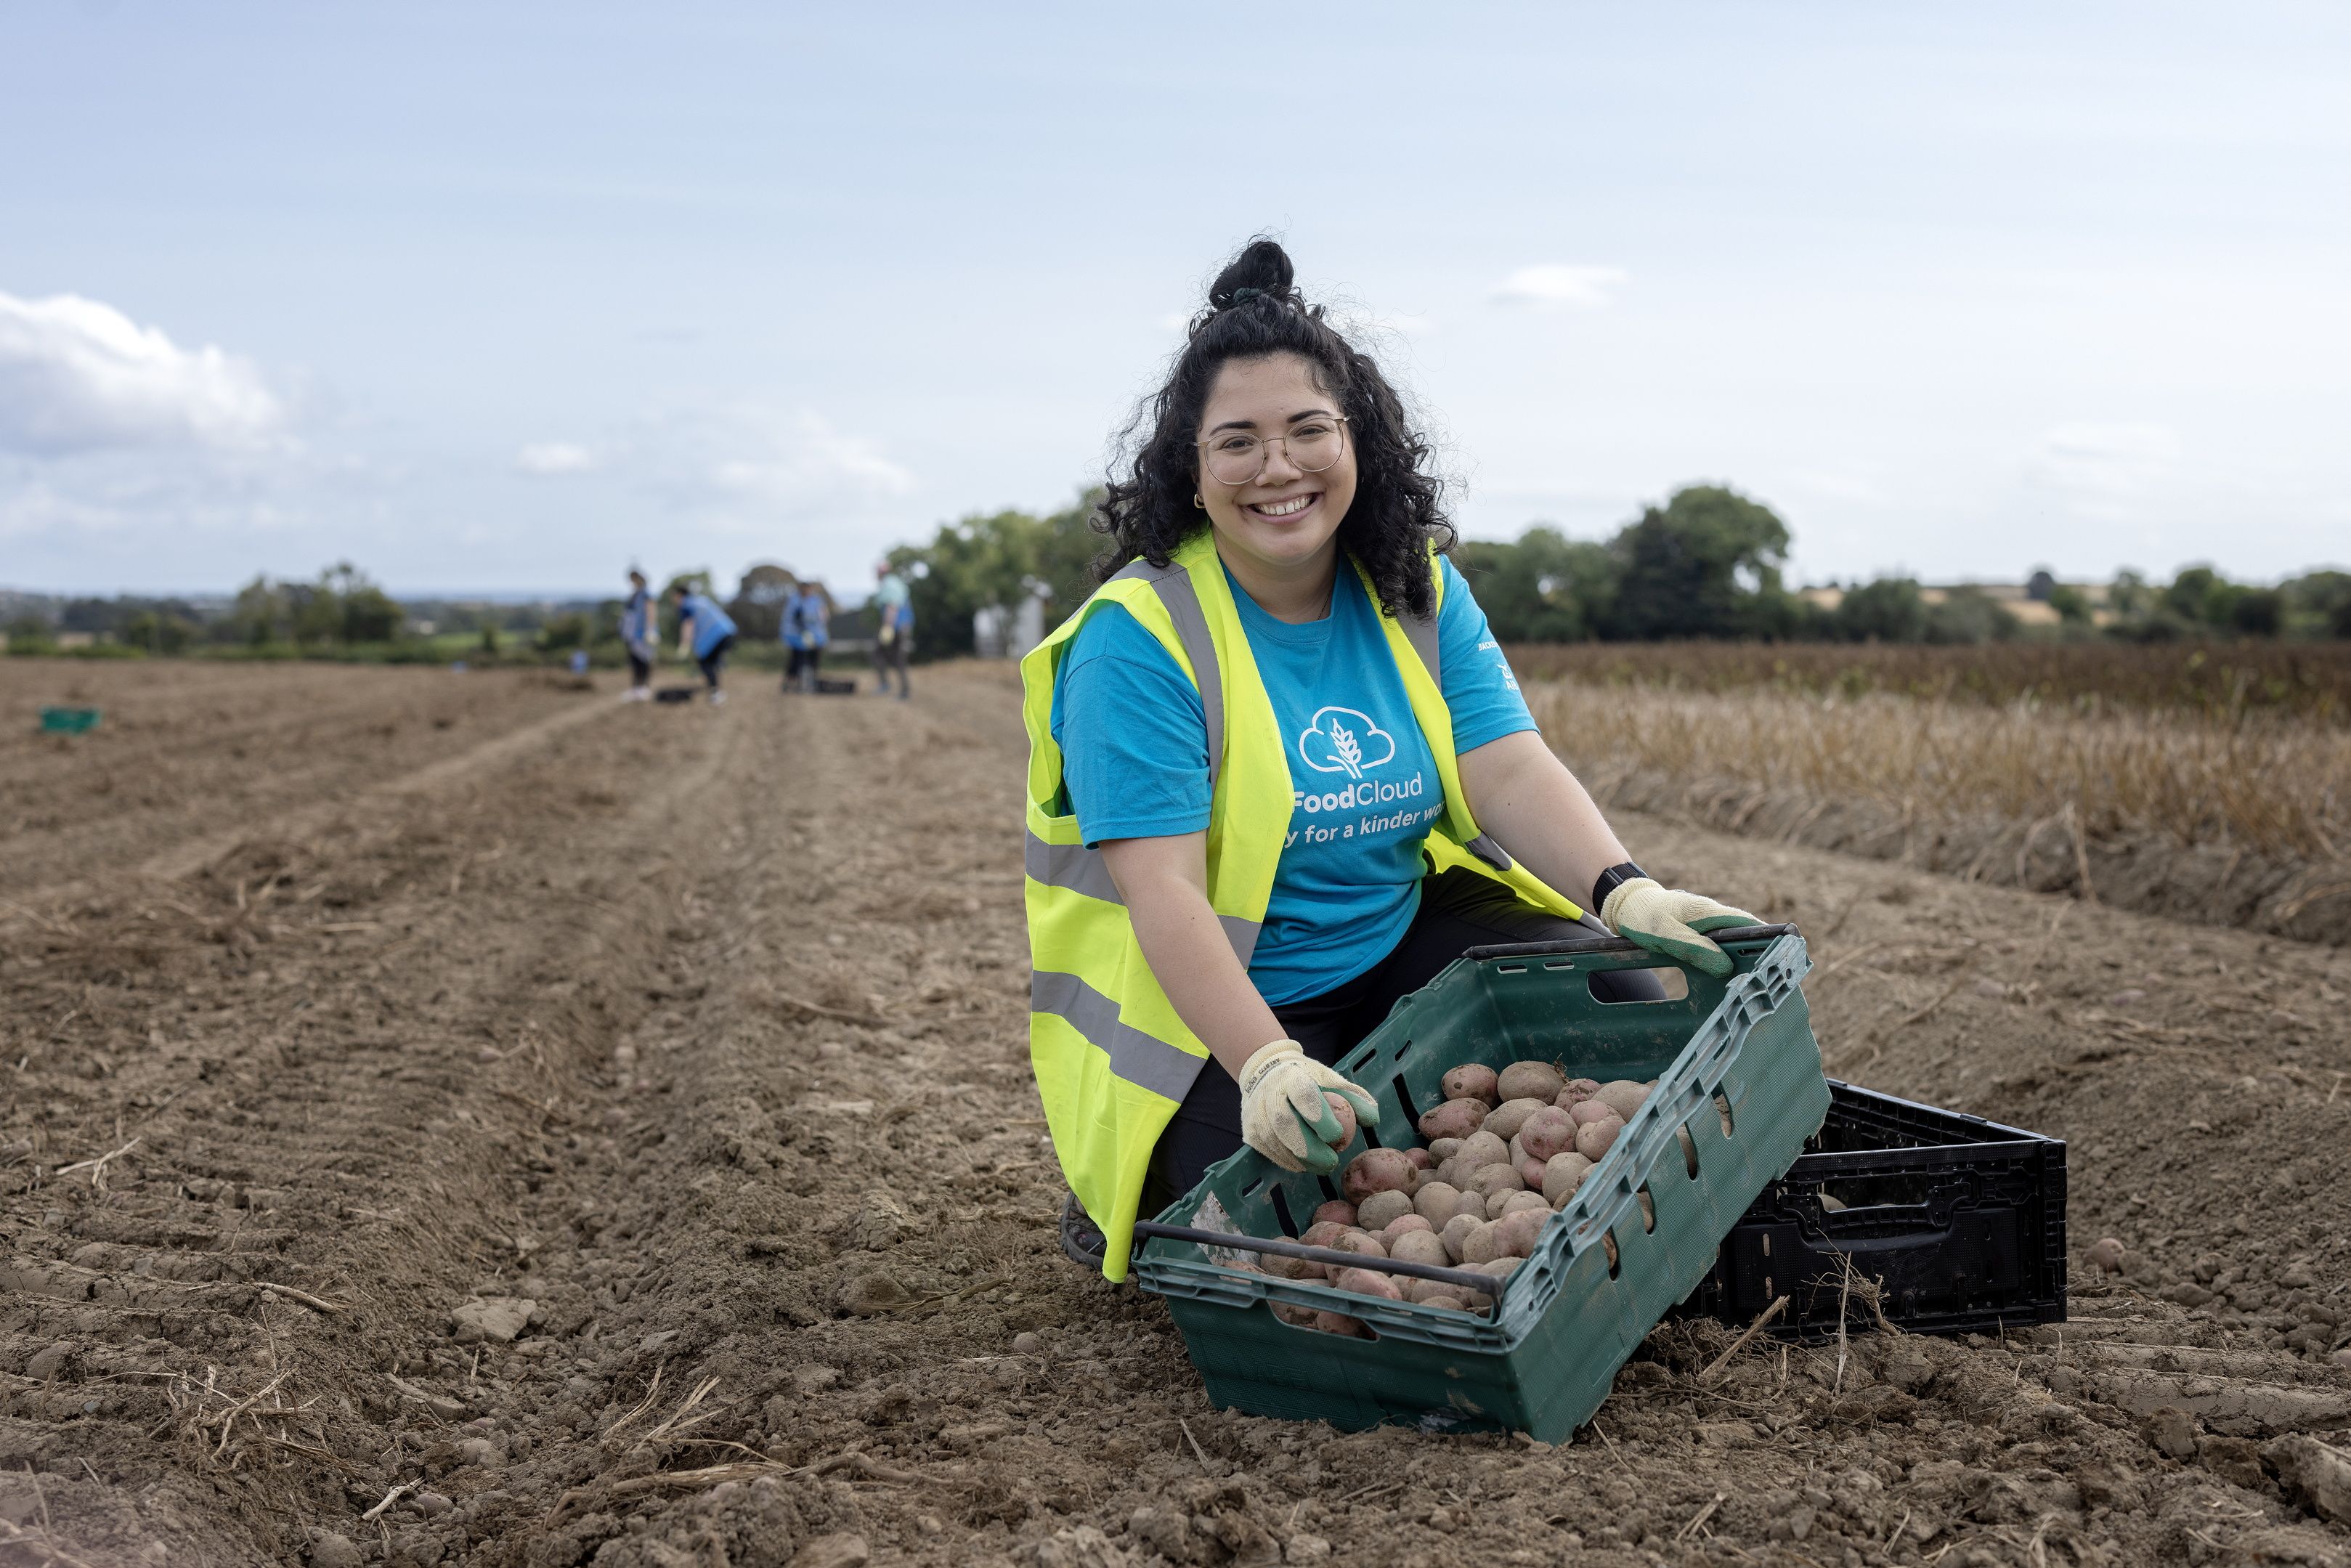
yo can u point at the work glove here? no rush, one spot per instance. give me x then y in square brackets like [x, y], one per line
[1669, 921]
[1284, 1114]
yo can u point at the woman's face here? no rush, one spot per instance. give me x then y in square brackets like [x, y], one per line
[1284, 517]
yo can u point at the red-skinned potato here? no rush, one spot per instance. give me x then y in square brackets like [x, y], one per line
[1479, 1246]
[1454, 1119]
[1342, 1324]
[1531, 1171]
[1515, 1232]
[1481, 1149]
[1563, 1174]
[1297, 1316]
[1378, 1170]
[1421, 1290]
[1623, 1096]
[1436, 1201]
[1583, 1113]
[1338, 1210]
[1514, 1201]
[1374, 1213]
[1324, 1233]
[1368, 1282]
[1361, 1243]
[1456, 1231]
[1470, 1082]
[1530, 1081]
[1594, 1139]
[1575, 1091]
[1444, 1300]
[1403, 1225]
[1550, 1131]
[1421, 1247]
[1345, 1112]
[1443, 1149]
[1421, 1159]
[1505, 1119]
[1496, 1178]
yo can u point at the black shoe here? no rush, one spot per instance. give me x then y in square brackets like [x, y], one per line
[1081, 1238]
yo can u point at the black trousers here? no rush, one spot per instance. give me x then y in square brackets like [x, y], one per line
[640, 669]
[715, 660]
[1458, 910]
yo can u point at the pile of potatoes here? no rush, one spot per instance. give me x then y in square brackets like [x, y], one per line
[1505, 1151]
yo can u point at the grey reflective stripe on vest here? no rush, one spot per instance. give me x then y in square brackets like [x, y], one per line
[1139, 1058]
[1182, 602]
[1484, 847]
[1421, 633]
[1076, 867]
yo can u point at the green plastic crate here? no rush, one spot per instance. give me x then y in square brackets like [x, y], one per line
[68, 720]
[1740, 1074]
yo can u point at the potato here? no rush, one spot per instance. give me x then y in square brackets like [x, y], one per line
[2105, 1255]
[1444, 1300]
[1500, 1267]
[1480, 1245]
[1496, 1178]
[1377, 1170]
[1530, 1081]
[1515, 1232]
[1550, 1131]
[1504, 1119]
[1338, 1210]
[1518, 1152]
[1422, 1160]
[1343, 1113]
[1403, 1225]
[1374, 1213]
[1341, 1323]
[1293, 1314]
[1470, 1082]
[1324, 1233]
[1421, 1247]
[1531, 1171]
[1481, 1149]
[1514, 1201]
[1563, 1174]
[1583, 1113]
[1421, 1290]
[1436, 1201]
[1594, 1139]
[1498, 1203]
[1360, 1243]
[1283, 1268]
[1623, 1096]
[1575, 1092]
[1454, 1119]
[1456, 1231]
[1443, 1149]
[1368, 1282]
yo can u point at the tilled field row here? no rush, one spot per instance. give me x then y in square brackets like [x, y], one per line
[626, 1153]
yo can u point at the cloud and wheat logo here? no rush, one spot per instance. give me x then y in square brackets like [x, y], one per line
[1340, 740]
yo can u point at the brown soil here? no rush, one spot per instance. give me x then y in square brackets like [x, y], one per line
[702, 1032]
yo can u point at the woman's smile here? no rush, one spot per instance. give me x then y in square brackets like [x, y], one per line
[1290, 508]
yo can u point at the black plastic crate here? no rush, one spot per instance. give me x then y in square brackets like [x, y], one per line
[1961, 1222]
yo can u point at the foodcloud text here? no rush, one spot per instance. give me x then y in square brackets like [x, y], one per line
[1356, 797]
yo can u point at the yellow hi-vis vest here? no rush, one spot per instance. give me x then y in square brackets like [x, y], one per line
[1113, 1059]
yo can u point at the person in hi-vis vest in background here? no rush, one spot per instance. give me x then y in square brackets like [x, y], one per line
[1279, 774]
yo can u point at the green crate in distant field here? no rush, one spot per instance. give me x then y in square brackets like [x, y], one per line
[1740, 1090]
[69, 720]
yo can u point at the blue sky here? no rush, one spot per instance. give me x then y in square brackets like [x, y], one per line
[506, 296]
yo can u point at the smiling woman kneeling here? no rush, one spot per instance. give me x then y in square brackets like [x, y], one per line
[1273, 763]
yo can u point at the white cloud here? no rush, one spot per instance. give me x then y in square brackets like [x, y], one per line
[1552, 287]
[548, 457]
[802, 461]
[2109, 471]
[77, 375]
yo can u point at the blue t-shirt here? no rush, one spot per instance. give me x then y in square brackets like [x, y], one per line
[637, 619]
[711, 624]
[804, 621]
[1365, 790]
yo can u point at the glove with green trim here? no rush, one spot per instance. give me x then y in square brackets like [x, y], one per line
[1284, 1114]
[1669, 921]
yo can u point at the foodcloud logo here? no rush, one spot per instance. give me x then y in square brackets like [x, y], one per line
[1341, 740]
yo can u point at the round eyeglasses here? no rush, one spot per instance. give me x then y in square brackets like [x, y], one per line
[1237, 456]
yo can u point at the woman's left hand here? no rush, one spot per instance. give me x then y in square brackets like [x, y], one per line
[1669, 921]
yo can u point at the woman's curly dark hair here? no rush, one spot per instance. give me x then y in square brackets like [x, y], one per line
[1253, 311]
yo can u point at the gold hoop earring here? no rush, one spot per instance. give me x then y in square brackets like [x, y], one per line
[1197, 502]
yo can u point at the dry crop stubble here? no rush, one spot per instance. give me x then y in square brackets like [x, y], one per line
[2237, 822]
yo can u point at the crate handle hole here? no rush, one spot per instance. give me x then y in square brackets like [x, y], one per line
[1637, 987]
[1648, 1209]
[1365, 1331]
[1404, 1097]
[1330, 1193]
[1689, 1151]
[1722, 1109]
[1509, 968]
[1608, 1245]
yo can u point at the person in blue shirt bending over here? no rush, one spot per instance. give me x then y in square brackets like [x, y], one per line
[637, 634]
[807, 619]
[707, 632]
[1280, 506]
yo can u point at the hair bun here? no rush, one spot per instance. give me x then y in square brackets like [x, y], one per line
[1262, 269]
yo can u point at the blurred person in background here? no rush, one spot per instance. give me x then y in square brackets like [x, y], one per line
[638, 636]
[806, 630]
[705, 633]
[894, 628]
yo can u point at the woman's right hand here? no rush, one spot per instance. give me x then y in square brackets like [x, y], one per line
[1284, 1114]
